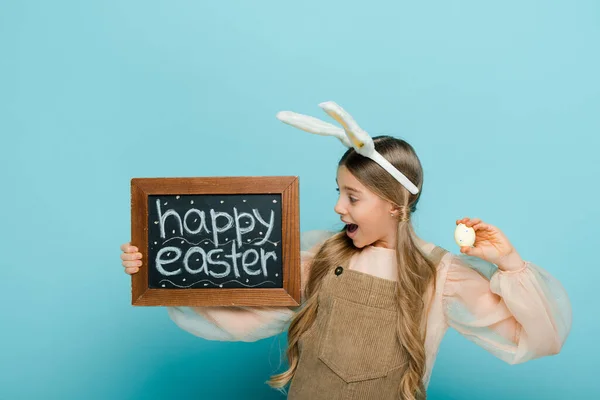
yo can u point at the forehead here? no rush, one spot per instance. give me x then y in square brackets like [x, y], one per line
[345, 178]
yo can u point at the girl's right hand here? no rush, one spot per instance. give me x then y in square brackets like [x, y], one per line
[131, 258]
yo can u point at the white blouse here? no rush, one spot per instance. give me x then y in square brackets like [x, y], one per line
[515, 315]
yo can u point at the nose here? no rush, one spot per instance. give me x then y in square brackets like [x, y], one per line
[338, 208]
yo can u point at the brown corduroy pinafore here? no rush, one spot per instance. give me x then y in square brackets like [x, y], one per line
[351, 351]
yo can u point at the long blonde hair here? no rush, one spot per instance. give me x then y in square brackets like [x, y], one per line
[416, 272]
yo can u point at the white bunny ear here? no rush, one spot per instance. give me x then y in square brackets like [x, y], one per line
[361, 141]
[313, 125]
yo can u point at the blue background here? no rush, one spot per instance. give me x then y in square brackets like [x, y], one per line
[500, 99]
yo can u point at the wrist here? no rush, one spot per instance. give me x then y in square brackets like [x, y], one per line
[512, 262]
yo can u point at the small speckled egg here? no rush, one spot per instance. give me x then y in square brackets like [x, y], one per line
[464, 235]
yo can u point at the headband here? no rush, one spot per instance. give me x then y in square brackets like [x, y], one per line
[351, 136]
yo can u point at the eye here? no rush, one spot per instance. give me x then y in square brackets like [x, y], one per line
[352, 199]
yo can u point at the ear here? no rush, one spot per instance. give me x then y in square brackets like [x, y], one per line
[393, 209]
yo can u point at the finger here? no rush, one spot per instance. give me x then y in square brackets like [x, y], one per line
[471, 251]
[469, 221]
[462, 220]
[132, 270]
[481, 226]
[473, 221]
[128, 264]
[128, 248]
[131, 256]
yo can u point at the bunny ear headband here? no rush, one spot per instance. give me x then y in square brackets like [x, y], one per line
[351, 136]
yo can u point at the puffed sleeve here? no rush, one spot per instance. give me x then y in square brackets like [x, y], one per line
[515, 315]
[247, 324]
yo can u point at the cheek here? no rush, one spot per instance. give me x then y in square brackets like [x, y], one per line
[361, 216]
[380, 222]
[372, 220]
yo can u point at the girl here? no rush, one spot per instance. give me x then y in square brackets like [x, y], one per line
[377, 299]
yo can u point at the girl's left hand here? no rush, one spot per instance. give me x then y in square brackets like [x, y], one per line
[491, 245]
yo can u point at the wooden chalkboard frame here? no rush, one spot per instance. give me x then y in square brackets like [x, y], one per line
[286, 186]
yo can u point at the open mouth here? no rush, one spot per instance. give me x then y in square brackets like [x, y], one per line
[351, 228]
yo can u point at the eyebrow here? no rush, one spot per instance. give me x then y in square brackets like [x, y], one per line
[348, 188]
[351, 189]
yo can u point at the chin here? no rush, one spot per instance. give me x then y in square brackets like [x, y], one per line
[358, 244]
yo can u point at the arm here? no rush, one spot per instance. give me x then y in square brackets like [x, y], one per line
[517, 315]
[247, 324]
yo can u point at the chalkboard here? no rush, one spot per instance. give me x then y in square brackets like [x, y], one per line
[230, 241]
[216, 241]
